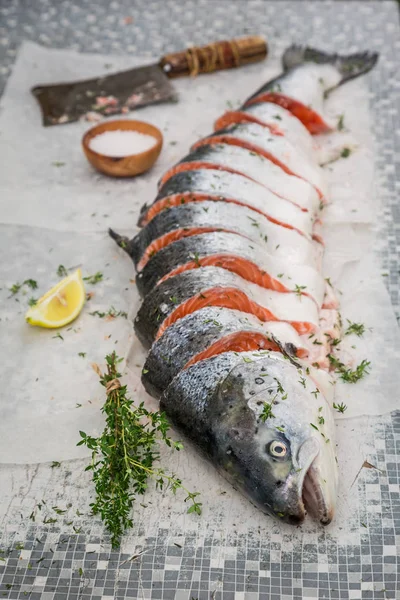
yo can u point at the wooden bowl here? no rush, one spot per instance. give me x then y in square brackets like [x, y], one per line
[123, 166]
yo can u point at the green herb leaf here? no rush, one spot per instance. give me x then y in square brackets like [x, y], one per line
[14, 289]
[124, 455]
[62, 271]
[346, 374]
[356, 328]
[298, 289]
[267, 412]
[340, 407]
[112, 313]
[31, 283]
[93, 279]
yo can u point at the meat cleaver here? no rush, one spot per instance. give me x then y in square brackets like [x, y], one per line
[127, 90]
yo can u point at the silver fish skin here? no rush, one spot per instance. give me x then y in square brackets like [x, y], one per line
[285, 244]
[277, 148]
[221, 245]
[202, 287]
[255, 166]
[199, 332]
[277, 119]
[223, 185]
[285, 464]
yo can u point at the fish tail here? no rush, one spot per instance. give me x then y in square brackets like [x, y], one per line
[349, 66]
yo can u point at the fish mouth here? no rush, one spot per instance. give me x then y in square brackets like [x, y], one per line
[313, 497]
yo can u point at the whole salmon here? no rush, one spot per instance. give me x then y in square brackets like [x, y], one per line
[238, 318]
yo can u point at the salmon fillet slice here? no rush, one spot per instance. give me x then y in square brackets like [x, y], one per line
[210, 331]
[212, 286]
[198, 185]
[310, 119]
[194, 218]
[242, 341]
[229, 298]
[254, 166]
[277, 149]
[274, 117]
[234, 253]
[233, 117]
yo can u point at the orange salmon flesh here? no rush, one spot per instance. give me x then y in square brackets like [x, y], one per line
[310, 119]
[228, 298]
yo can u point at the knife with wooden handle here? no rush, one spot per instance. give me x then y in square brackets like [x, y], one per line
[127, 90]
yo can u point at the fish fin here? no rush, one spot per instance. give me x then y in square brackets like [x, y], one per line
[122, 241]
[288, 350]
[349, 66]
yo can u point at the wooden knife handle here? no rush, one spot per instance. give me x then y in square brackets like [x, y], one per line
[225, 54]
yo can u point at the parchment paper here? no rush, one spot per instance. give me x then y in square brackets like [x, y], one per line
[55, 210]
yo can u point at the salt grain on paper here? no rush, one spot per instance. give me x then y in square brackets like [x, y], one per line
[121, 143]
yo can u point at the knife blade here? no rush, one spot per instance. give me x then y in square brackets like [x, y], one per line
[128, 90]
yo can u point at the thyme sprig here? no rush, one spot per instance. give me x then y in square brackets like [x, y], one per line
[124, 455]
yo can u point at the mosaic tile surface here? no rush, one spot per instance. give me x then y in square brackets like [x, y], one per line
[51, 548]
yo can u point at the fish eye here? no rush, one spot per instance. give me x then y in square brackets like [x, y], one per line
[277, 449]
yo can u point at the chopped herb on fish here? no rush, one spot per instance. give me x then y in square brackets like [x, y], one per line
[345, 153]
[196, 259]
[298, 289]
[314, 426]
[302, 381]
[280, 389]
[267, 412]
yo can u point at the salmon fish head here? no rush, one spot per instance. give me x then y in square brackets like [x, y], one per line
[274, 437]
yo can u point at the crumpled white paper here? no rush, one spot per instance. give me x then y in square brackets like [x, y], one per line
[55, 209]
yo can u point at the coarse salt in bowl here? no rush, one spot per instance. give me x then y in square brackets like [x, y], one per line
[121, 142]
[122, 148]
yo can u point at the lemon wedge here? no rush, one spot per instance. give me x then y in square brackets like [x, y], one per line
[60, 305]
